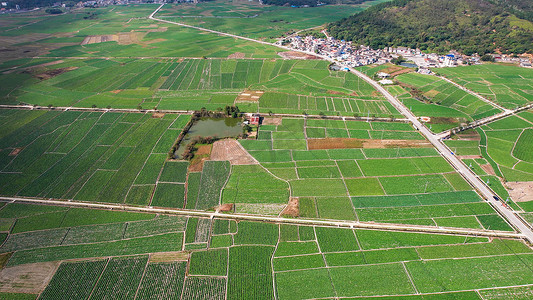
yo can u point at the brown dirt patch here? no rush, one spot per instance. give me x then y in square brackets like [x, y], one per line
[124, 38]
[375, 94]
[168, 256]
[520, 191]
[404, 71]
[15, 152]
[237, 55]
[158, 115]
[116, 91]
[54, 72]
[354, 94]
[488, 169]
[391, 69]
[249, 96]
[335, 92]
[204, 150]
[346, 143]
[28, 278]
[224, 207]
[443, 120]
[271, 121]
[202, 154]
[296, 55]
[293, 208]
[4, 257]
[231, 150]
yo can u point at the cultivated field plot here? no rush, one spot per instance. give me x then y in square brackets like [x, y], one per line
[90, 156]
[446, 94]
[354, 174]
[289, 261]
[502, 157]
[253, 20]
[40, 34]
[189, 84]
[509, 86]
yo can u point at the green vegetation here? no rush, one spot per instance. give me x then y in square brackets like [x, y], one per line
[469, 26]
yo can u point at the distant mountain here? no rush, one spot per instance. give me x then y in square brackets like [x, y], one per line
[469, 26]
[311, 3]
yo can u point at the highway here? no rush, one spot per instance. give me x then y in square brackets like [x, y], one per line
[280, 220]
[477, 183]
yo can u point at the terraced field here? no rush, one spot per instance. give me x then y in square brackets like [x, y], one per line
[237, 255]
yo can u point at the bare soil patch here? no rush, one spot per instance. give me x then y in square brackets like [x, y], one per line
[116, 91]
[28, 278]
[249, 96]
[237, 55]
[168, 256]
[54, 72]
[224, 207]
[488, 169]
[124, 38]
[293, 208]
[399, 72]
[158, 115]
[346, 143]
[443, 120]
[296, 55]
[335, 92]
[520, 191]
[15, 152]
[202, 154]
[271, 121]
[231, 150]
[392, 69]
[431, 93]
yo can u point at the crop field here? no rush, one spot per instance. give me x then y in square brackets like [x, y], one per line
[256, 21]
[446, 94]
[398, 184]
[508, 86]
[291, 86]
[104, 157]
[127, 30]
[283, 258]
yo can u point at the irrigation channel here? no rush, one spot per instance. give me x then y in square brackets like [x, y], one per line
[490, 196]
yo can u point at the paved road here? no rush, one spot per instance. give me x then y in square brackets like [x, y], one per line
[509, 214]
[327, 223]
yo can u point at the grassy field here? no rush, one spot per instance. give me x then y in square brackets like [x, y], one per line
[283, 257]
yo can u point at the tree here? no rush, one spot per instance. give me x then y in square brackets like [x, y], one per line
[139, 107]
[487, 57]
[93, 106]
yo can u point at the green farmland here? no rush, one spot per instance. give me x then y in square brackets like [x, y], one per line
[282, 257]
[508, 86]
[177, 84]
[96, 204]
[254, 20]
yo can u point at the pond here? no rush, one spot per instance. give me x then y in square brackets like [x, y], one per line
[204, 127]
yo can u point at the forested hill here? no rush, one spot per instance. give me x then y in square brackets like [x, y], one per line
[469, 26]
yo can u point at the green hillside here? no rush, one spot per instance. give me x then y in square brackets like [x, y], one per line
[468, 26]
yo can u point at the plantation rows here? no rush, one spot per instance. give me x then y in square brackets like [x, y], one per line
[261, 260]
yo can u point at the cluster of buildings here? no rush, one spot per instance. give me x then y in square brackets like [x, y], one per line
[358, 55]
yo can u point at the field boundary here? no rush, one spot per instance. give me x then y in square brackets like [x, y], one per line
[323, 223]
